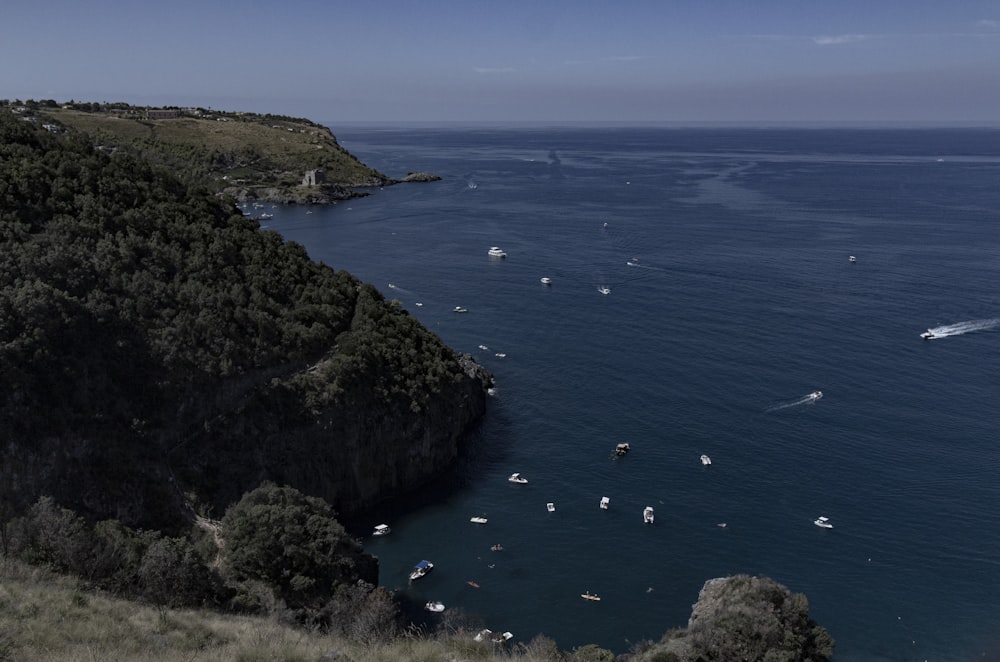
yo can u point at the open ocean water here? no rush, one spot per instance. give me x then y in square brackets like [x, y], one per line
[740, 301]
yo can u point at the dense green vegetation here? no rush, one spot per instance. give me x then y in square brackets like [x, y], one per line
[139, 316]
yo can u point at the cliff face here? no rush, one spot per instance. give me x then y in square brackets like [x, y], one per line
[353, 454]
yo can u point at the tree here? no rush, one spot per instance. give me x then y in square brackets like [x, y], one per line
[292, 542]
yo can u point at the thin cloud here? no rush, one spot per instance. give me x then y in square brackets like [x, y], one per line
[838, 39]
[495, 70]
[988, 23]
[610, 58]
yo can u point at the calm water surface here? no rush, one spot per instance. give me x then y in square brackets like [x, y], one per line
[740, 300]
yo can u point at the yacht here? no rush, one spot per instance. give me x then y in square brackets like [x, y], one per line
[604, 290]
[546, 280]
[622, 449]
[381, 530]
[605, 502]
[421, 569]
[551, 507]
[928, 335]
[852, 259]
[496, 251]
[459, 309]
[436, 607]
[823, 522]
[517, 478]
[478, 520]
[706, 460]
[647, 514]
[816, 395]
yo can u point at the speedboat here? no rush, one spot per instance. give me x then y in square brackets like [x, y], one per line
[551, 507]
[928, 335]
[496, 251]
[823, 522]
[421, 569]
[381, 530]
[605, 502]
[622, 449]
[706, 460]
[436, 607]
[478, 520]
[604, 290]
[517, 478]
[459, 309]
[647, 514]
[816, 395]
[852, 259]
[546, 280]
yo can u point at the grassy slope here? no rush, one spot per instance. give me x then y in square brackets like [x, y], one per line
[263, 150]
[48, 618]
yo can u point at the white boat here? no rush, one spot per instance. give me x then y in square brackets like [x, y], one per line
[421, 569]
[605, 502]
[647, 514]
[604, 290]
[478, 520]
[459, 309]
[495, 637]
[546, 280]
[418, 304]
[706, 460]
[622, 449]
[496, 251]
[551, 507]
[436, 607]
[484, 348]
[381, 530]
[928, 335]
[590, 596]
[517, 478]
[816, 395]
[823, 522]
[852, 259]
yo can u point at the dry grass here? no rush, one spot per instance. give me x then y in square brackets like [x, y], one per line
[48, 618]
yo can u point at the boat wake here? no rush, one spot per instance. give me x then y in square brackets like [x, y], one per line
[804, 400]
[961, 328]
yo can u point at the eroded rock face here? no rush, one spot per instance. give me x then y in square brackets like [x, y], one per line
[420, 177]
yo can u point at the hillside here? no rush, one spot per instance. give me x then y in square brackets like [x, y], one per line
[158, 349]
[246, 155]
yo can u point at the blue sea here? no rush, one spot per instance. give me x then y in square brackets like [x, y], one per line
[731, 298]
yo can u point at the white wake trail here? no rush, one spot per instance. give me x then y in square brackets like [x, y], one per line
[960, 328]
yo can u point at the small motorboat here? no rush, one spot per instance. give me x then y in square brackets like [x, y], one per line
[418, 304]
[590, 596]
[546, 280]
[706, 460]
[421, 569]
[517, 478]
[496, 251]
[496, 548]
[852, 259]
[816, 395]
[551, 507]
[928, 335]
[472, 584]
[478, 520]
[501, 355]
[604, 290]
[823, 523]
[605, 502]
[495, 637]
[381, 530]
[436, 607]
[459, 309]
[622, 449]
[647, 514]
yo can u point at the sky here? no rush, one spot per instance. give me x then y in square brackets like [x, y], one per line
[702, 61]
